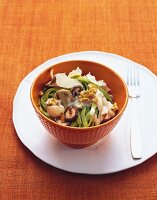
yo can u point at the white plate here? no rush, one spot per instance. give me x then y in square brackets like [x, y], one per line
[110, 155]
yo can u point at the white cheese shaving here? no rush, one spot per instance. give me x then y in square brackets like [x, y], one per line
[64, 81]
[93, 80]
[75, 72]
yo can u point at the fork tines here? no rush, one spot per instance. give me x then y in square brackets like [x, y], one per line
[133, 76]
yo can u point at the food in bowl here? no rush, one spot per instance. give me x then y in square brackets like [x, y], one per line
[77, 100]
[80, 137]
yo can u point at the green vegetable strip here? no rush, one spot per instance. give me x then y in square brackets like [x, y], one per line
[74, 124]
[79, 121]
[83, 117]
[47, 93]
[106, 95]
[42, 103]
[85, 85]
[51, 94]
[97, 112]
[87, 109]
[90, 120]
[75, 76]
[88, 116]
[82, 79]
[43, 108]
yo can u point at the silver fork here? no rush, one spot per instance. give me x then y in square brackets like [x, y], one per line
[133, 82]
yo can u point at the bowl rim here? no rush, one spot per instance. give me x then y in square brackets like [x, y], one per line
[79, 128]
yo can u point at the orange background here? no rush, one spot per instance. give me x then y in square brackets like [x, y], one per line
[33, 31]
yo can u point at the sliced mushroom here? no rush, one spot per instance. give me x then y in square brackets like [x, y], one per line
[76, 90]
[53, 80]
[52, 83]
[71, 113]
[55, 111]
[51, 74]
[64, 95]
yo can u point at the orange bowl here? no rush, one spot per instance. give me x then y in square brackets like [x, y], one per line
[74, 136]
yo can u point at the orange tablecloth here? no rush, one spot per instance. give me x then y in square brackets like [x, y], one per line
[33, 31]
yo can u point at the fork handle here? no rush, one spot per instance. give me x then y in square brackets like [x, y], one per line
[135, 131]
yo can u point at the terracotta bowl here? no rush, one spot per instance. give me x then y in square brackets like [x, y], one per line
[74, 136]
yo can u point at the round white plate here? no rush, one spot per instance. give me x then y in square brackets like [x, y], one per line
[112, 154]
